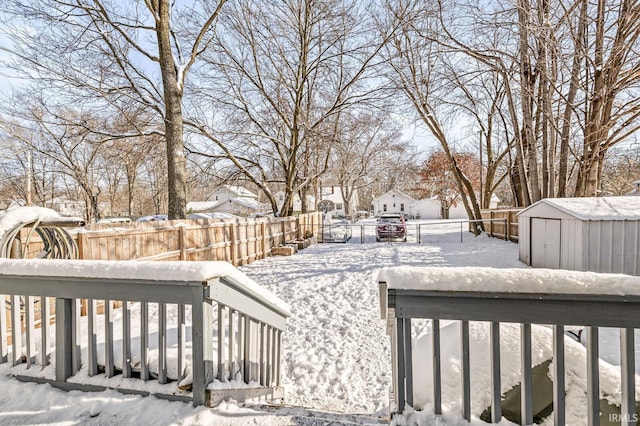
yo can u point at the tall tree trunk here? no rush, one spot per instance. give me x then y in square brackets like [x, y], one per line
[176, 161]
[576, 69]
[527, 81]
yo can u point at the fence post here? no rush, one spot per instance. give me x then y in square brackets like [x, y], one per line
[183, 243]
[284, 231]
[263, 229]
[491, 223]
[232, 237]
[82, 245]
[506, 232]
[509, 219]
[298, 233]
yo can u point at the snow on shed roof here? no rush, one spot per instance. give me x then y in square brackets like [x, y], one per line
[595, 208]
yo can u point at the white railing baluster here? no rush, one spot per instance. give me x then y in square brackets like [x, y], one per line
[526, 386]
[16, 330]
[628, 374]
[263, 361]
[144, 341]
[408, 360]
[465, 370]
[247, 349]
[162, 343]
[45, 330]
[437, 378]
[400, 380]
[269, 350]
[76, 331]
[92, 344]
[30, 329]
[182, 330]
[278, 357]
[496, 383]
[222, 376]
[240, 341]
[4, 350]
[109, 369]
[593, 377]
[232, 361]
[558, 376]
[126, 339]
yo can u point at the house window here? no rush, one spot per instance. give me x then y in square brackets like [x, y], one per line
[384, 207]
[402, 207]
[338, 206]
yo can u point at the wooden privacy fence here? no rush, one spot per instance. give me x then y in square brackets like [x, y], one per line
[169, 313]
[238, 242]
[506, 229]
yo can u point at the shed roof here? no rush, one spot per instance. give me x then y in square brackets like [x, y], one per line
[596, 208]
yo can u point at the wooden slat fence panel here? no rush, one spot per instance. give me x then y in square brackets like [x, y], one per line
[239, 242]
[495, 224]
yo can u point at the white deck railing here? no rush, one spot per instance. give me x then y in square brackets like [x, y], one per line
[235, 327]
[523, 296]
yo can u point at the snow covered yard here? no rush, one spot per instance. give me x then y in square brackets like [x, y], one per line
[336, 361]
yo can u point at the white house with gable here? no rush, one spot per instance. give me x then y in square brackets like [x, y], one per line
[393, 201]
[332, 203]
[228, 199]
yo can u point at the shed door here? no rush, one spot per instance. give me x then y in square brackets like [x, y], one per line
[545, 243]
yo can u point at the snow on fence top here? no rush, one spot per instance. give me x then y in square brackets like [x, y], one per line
[494, 280]
[140, 270]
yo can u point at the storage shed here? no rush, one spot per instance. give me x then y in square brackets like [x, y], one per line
[583, 234]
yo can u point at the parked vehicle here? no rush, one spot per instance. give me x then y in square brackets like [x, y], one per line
[391, 227]
[115, 220]
[152, 218]
[212, 215]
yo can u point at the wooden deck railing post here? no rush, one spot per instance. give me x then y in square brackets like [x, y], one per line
[64, 341]
[202, 337]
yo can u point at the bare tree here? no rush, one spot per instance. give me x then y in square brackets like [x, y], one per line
[369, 144]
[287, 71]
[416, 60]
[110, 53]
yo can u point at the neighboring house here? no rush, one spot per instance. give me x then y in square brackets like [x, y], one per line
[297, 202]
[68, 207]
[428, 208]
[332, 203]
[228, 199]
[227, 192]
[393, 201]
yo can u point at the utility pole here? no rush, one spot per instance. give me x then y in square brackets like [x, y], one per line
[29, 177]
[481, 193]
